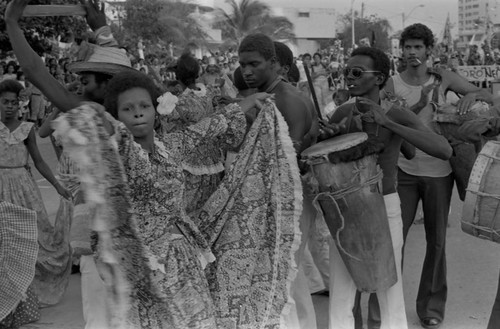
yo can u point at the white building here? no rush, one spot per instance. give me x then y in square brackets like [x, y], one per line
[473, 18]
[310, 26]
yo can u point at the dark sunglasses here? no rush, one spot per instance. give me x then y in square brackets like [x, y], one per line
[356, 72]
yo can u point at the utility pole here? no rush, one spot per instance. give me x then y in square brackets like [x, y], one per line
[352, 24]
[362, 10]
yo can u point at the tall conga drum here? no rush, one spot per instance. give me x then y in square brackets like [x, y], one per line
[346, 180]
[481, 212]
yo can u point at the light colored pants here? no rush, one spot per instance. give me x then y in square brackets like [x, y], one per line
[311, 271]
[343, 289]
[93, 295]
[302, 314]
[317, 255]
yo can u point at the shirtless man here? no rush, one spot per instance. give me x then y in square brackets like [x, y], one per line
[366, 73]
[258, 64]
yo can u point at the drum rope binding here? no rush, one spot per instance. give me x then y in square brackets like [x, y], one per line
[334, 196]
[478, 228]
[494, 196]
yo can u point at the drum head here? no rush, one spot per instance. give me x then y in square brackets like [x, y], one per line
[335, 144]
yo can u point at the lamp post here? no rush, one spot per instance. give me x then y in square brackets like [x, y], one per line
[352, 24]
[408, 15]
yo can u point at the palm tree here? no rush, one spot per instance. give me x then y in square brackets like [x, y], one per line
[252, 16]
[162, 21]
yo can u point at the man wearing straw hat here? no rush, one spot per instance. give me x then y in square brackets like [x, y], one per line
[96, 65]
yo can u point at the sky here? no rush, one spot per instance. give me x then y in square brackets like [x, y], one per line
[433, 13]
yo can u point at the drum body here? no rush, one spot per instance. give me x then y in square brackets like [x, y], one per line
[481, 212]
[350, 197]
[464, 153]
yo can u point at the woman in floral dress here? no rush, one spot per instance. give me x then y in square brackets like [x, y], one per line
[204, 167]
[17, 186]
[175, 250]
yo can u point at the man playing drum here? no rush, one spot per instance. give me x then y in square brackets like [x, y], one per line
[426, 177]
[366, 74]
[258, 63]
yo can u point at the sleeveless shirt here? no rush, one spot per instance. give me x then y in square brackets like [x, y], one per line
[422, 164]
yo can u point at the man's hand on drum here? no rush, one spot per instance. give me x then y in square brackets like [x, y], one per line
[329, 130]
[465, 103]
[374, 111]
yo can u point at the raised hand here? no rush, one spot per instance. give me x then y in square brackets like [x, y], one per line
[96, 17]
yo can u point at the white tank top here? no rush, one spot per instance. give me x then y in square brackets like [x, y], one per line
[422, 164]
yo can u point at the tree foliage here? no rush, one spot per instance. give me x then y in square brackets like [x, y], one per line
[366, 27]
[162, 21]
[38, 29]
[252, 16]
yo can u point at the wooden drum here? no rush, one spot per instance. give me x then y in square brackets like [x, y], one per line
[481, 212]
[464, 153]
[346, 182]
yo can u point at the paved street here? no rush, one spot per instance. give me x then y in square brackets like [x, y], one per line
[473, 267]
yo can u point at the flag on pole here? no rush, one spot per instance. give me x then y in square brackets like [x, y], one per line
[447, 39]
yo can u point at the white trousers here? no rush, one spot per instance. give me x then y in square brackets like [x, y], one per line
[313, 276]
[302, 314]
[343, 289]
[93, 295]
[317, 255]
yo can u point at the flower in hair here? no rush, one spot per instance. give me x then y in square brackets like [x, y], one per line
[166, 103]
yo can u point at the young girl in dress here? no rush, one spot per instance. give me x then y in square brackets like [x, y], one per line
[17, 186]
[175, 249]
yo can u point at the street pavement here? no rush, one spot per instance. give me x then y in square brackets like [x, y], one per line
[473, 266]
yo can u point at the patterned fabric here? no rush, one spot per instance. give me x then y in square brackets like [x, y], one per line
[252, 224]
[27, 311]
[17, 186]
[131, 298]
[79, 214]
[18, 251]
[159, 273]
[204, 165]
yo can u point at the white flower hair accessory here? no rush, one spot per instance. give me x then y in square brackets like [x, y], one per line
[166, 103]
[202, 92]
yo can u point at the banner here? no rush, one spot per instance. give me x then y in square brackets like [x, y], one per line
[480, 72]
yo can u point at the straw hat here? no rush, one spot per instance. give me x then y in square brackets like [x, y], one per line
[94, 58]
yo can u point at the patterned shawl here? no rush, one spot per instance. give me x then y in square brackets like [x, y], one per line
[131, 298]
[252, 224]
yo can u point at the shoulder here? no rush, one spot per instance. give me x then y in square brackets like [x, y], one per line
[289, 97]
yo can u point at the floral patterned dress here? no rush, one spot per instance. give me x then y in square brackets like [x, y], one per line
[17, 186]
[174, 248]
[204, 165]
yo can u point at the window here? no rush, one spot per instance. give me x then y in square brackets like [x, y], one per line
[303, 14]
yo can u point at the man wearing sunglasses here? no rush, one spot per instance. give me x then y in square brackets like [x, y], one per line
[426, 177]
[386, 122]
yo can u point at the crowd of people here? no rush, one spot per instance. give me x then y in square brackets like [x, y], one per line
[183, 204]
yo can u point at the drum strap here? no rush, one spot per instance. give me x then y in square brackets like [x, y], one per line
[334, 196]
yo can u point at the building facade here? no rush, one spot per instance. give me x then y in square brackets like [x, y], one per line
[311, 25]
[477, 20]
